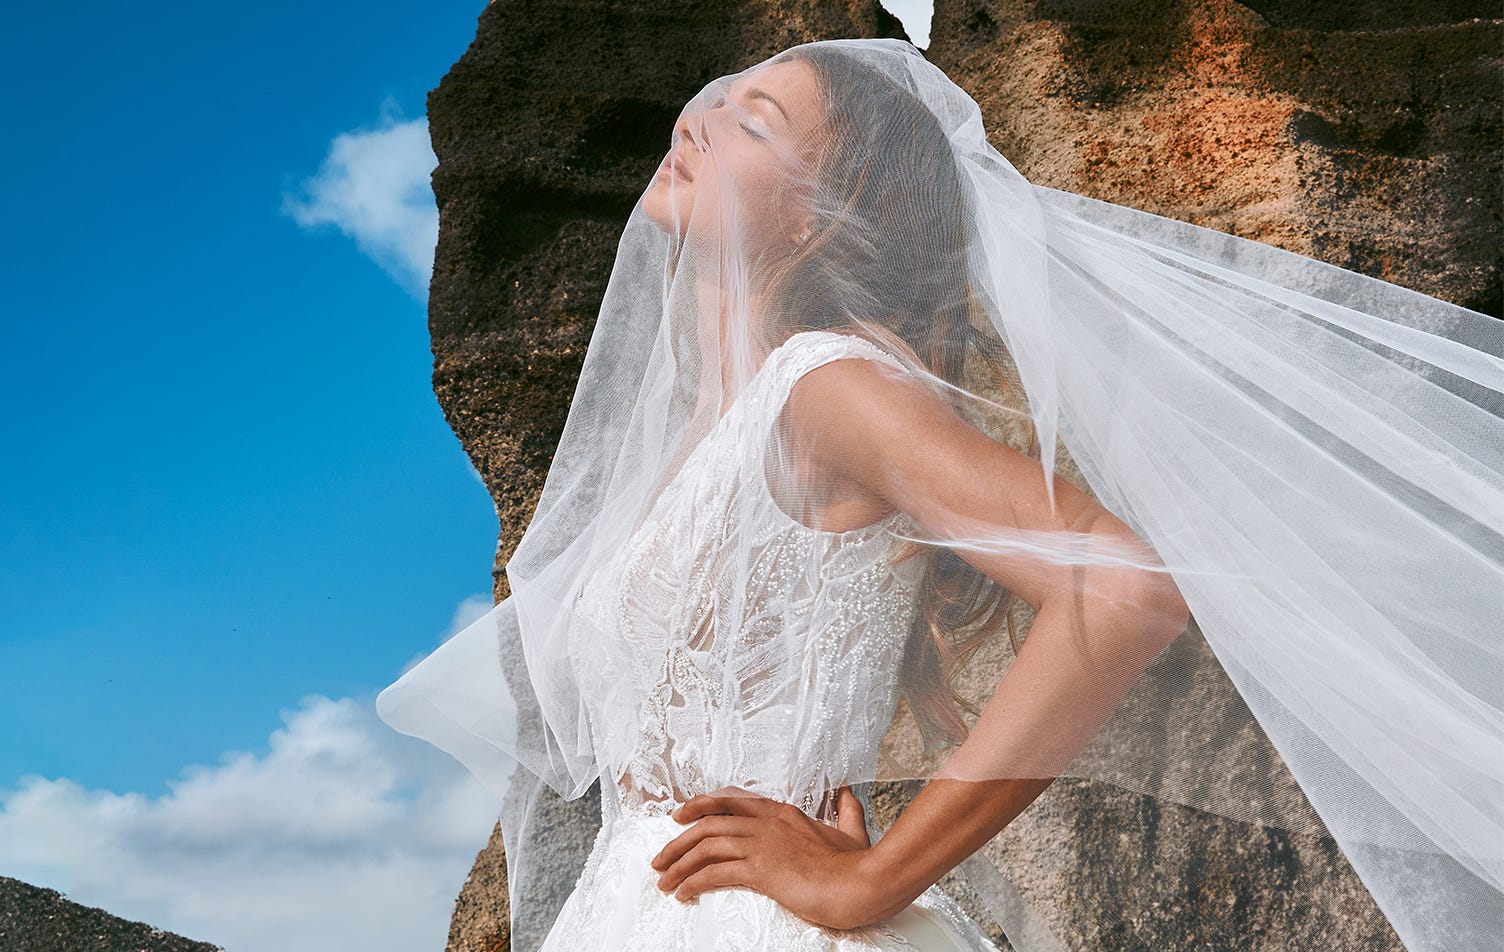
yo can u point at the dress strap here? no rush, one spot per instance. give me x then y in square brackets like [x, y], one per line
[806, 350]
[796, 356]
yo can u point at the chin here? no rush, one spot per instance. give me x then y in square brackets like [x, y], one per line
[657, 205]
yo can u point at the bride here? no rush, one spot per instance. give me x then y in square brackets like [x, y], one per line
[808, 488]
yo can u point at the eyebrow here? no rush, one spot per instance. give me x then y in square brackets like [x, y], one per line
[755, 93]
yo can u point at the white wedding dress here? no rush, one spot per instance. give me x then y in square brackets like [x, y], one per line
[706, 726]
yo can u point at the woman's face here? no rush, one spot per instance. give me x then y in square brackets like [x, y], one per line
[750, 144]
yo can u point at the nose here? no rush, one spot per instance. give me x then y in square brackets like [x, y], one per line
[695, 122]
[690, 126]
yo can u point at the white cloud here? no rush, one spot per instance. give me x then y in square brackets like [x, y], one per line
[374, 186]
[345, 835]
[467, 613]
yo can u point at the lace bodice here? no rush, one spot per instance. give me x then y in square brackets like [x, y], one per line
[768, 650]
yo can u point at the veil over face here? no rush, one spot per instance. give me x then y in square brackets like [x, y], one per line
[760, 565]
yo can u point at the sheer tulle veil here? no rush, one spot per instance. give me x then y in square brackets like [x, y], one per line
[1315, 457]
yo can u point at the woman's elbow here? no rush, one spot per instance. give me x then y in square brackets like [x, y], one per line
[1145, 599]
[1155, 606]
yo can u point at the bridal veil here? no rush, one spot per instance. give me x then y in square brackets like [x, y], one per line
[1315, 457]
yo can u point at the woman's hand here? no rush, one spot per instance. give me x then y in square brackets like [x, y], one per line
[816, 871]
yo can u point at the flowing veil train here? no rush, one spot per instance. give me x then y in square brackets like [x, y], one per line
[1314, 456]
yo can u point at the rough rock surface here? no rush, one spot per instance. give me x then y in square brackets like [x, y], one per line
[1366, 134]
[35, 919]
[1363, 134]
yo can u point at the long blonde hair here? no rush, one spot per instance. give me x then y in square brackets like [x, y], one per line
[888, 262]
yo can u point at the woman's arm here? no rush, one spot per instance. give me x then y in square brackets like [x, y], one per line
[1096, 628]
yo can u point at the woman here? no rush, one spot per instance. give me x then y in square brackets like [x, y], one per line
[785, 514]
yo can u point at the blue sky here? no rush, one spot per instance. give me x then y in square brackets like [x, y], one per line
[232, 510]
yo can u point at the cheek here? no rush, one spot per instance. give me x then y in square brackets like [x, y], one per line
[741, 178]
[750, 171]
[766, 203]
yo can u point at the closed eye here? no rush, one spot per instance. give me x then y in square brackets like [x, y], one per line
[749, 130]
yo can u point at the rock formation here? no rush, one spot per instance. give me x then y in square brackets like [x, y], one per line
[1366, 134]
[1363, 134]
[35, 919]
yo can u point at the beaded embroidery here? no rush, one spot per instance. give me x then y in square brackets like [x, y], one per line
[718, 713]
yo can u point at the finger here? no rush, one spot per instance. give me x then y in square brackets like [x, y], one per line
[731, 873]
[704, 804]
[849, 816]
[707, 852]
[715, 825]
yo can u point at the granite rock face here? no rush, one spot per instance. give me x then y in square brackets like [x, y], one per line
[1364, 134]
[35, 919]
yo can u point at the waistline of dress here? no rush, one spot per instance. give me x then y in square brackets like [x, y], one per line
[659, 810]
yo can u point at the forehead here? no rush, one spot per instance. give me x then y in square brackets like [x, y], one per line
[791, 83]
